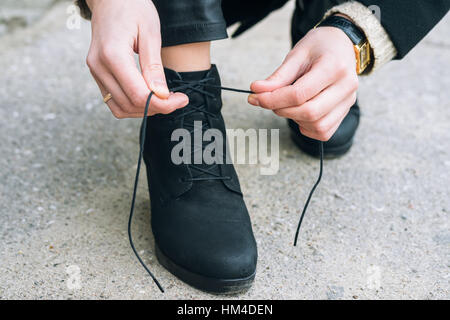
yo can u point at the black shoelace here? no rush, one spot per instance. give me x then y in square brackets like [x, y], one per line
[197, 86]
[203, 173]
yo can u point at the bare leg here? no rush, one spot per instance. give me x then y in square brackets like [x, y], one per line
[187, 57]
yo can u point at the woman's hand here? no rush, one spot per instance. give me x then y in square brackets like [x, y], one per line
[316, 84]
[119, 30]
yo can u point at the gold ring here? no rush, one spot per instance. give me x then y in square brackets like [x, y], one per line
[107, 97]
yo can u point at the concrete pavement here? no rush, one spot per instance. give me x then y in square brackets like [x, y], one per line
[377, 228]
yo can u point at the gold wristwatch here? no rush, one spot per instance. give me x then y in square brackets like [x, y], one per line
[361, 45]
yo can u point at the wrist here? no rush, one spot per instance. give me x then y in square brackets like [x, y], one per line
[361, 45]
[383, 49]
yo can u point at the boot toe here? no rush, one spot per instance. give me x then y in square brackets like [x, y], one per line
[219, 249]
[211, 246]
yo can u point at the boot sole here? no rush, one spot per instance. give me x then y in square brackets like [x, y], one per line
[211, 285]
[330, 153]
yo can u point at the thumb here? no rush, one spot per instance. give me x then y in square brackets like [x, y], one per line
[287, 73]
[152, 68]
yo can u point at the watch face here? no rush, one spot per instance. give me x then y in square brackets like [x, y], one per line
[364, 57]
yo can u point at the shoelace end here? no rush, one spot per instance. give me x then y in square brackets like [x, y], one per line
[310, 193]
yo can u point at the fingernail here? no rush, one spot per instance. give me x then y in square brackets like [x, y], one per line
[252, 99]
[159, 87]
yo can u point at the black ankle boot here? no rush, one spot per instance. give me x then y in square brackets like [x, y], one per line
[202, 229]
[339, 144]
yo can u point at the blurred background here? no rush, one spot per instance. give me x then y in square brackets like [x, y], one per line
[378, 226]
[15, 14]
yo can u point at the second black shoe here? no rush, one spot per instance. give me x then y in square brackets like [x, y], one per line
[200, 222]
[339, 144]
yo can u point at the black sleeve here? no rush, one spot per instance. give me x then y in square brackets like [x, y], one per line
[84, 9]
[408, 21]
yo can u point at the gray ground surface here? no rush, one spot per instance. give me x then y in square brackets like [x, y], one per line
[377, 228]
[15, 14]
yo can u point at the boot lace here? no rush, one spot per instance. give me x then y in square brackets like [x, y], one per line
[198, 86]
[205, 172]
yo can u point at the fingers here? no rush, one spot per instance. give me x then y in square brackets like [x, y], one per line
[121, 78]
[118, 32]
[321, 137]
[293, 66]
[120, 63]
[319, 77]
[115, 109]
[151, 65]
[117, 95]
[107, 84]
[324, 128]
[322, 104]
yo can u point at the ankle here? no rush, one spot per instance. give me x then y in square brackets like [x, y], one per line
[187, 57]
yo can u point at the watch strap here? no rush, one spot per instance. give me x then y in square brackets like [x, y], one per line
[350, 29]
